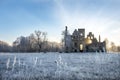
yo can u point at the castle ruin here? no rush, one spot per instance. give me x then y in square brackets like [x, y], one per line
[77, 42]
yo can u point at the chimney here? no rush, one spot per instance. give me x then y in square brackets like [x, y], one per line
[66, 28]
[99, 39]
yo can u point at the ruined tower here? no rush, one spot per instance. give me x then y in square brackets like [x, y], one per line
[78, 41]
[68, 41]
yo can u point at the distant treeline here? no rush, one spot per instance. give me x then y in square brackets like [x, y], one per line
[38, 42]
[35, 42]
[111, 47]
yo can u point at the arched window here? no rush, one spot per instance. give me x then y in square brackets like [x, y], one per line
[81, 46]
[81, 34]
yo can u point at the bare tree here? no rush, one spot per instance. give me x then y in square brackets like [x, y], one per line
[41, 39]
[107, 44]
[113, 47]
[44, 41]
[38, 39]
[31, 43]
[118, 48]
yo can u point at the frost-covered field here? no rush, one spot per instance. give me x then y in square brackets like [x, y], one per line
[57, 66]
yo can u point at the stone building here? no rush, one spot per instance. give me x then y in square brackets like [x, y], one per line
[77, 42]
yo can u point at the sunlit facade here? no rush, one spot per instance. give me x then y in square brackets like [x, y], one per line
[88, 41]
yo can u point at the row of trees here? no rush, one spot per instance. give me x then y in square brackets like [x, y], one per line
[114, 48]
[38, 42]
[4, 47]
[35, 42]
[111, 47]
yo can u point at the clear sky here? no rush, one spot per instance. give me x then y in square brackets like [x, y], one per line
[22, 17]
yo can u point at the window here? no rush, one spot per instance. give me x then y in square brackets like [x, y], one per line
[88, 37]
[75, 44]
[91, 37]
[81, 46]
[81, 34]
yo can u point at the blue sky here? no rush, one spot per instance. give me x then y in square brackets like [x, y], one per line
[22, 17]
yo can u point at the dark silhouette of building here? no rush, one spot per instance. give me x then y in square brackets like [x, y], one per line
[78, 43]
